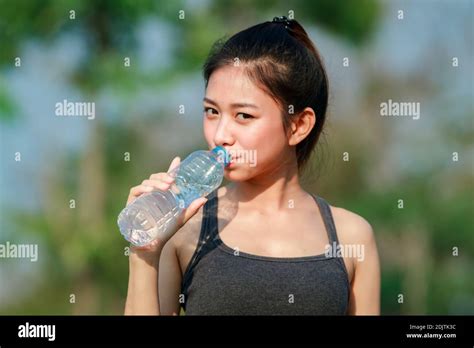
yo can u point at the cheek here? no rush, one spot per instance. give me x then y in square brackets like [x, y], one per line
[208, 130]
[268, 139]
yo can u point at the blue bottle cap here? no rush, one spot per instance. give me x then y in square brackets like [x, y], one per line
[223, 154]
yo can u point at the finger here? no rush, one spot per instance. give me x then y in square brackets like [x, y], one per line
[138, 190]
[193, 208]
[162, 176]
[161, 185]
[174, 163]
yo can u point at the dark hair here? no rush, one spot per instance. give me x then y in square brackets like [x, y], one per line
[279, 57]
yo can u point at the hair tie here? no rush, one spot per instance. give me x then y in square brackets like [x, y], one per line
[282, 19]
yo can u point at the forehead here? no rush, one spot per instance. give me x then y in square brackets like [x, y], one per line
[231, 84]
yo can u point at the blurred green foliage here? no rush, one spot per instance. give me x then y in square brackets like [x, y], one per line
[85, 252]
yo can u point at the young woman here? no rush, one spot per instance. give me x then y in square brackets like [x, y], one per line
[260, 245]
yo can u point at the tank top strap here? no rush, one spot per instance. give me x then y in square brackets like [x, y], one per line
[210, 217]
[208, 232]
[327, 218]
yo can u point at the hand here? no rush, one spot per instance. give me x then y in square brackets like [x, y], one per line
[163, 181]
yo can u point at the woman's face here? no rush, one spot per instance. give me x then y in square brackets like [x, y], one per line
[245, 120]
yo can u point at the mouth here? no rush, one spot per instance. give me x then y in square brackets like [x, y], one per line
[232, 163]
[234, 159]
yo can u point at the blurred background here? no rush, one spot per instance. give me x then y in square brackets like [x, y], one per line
[65, 179]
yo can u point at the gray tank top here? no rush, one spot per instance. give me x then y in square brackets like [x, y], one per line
[218, 281]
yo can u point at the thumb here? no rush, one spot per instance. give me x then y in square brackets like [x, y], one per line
[174, 163]
[193, 208]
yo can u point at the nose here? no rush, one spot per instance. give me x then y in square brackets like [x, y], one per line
[223, 135]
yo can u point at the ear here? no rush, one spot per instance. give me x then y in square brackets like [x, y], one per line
[301, 126]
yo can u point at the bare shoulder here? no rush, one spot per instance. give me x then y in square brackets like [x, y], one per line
[190, 229]
[185, 240]
[354, 230]
[351, 227]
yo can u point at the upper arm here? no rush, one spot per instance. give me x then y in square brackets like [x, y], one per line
[169, 279]
[365, 287]
[355, 232]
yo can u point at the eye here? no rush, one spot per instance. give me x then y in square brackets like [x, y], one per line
[244, 116]
[210, 111]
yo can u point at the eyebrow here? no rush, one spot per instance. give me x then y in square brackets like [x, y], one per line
[234, 105]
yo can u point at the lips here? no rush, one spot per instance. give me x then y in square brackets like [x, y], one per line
[234, 154]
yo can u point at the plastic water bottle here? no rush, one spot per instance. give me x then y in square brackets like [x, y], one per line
[155, 214]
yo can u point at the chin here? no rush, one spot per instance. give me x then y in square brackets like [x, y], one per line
[236, 175]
